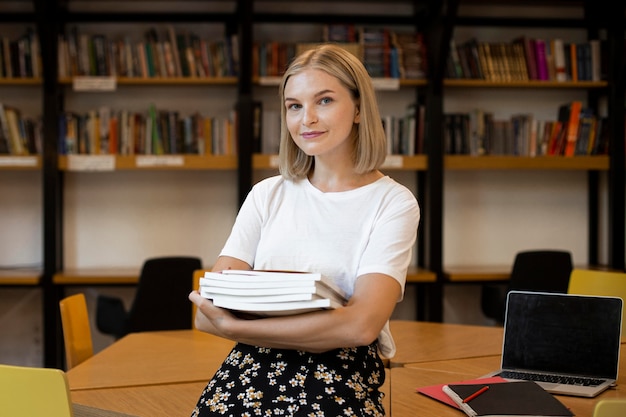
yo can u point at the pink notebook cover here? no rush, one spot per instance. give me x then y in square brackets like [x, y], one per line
[436, 392]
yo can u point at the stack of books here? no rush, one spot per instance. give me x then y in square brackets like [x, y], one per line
[271, 293]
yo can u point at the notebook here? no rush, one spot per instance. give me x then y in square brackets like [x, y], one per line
[569, 344]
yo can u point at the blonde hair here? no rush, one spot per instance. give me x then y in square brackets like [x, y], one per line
[370, 148]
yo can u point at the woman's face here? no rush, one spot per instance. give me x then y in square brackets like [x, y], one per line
[320, 113]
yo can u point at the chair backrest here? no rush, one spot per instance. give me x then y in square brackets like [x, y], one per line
[592, 282]
[610, 408]
[28, 392]
[76, 330]
[161, 301]
[541, 270]
[533, 270]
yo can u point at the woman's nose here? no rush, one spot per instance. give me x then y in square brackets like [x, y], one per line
[310, 116]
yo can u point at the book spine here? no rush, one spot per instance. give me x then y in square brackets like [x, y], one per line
[541, 59]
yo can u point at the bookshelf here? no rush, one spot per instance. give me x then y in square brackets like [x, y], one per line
[101, 215]
[587, 176]
[20, 174]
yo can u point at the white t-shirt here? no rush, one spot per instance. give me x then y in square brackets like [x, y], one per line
[291, 225]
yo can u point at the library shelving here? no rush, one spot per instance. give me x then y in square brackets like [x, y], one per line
[20, 168]
[212, 186]
[504, 21]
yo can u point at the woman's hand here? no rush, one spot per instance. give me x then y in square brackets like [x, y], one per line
[209, 318]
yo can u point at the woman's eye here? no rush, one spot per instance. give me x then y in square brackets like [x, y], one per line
[294, 107]
[326, 100]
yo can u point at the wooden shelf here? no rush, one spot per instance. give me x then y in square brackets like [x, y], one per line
[477, 273]
[30, 277]
[175, 81]
[393, 162]
[379, 83]
[20, 162]
[97, 276]
[174, 162]
[21, 81]
[586, 163]
[420, 275]
[524, 84]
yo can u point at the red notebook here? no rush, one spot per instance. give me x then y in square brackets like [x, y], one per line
[436, 392]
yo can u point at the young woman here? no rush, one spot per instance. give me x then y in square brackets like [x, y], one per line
[331, 211]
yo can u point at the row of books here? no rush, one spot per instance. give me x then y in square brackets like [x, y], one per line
[19, 135]
[577, 131]
[405, 134]
[153, 132]
[165, 55]
[271, 293]
[21, 57]
[385, 53]
[527, 58]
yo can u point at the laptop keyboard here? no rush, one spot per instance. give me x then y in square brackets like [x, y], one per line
[556, 379]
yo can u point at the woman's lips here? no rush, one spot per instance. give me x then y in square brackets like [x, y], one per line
[311, 135]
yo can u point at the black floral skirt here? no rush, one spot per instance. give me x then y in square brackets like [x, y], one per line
[255, 381]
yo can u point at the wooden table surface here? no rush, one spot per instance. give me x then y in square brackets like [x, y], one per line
[165, 400]
[418, 341]
[151, 358]
[405, 401]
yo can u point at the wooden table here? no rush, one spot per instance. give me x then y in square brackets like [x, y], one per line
[164, 400]
[418, 341]
[152, 358]
[405, 401]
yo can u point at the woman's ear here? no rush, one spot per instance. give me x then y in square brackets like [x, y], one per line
[357, 116]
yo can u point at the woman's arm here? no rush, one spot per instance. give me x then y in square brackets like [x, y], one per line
[357, 324]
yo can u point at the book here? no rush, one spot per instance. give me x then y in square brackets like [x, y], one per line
[265, 289]
[559, 59]
[524, 398]
[277, 309]
[436, 391]
[271, 293]
[569, 115]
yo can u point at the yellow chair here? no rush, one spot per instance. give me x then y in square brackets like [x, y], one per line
[28, 392]
[604, 283]
[76, 330]
[610, 408]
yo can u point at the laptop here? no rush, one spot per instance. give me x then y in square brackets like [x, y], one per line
[569, 344]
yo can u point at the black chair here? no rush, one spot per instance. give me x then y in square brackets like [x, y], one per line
[160, 302]
[540, 270]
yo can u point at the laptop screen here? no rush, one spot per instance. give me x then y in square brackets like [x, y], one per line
[562, 333]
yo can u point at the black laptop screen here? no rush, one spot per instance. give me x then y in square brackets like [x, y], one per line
[562, 333]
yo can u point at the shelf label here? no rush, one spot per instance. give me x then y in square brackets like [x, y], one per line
[386, 83]
[18, 161]
[94, 84]
[144, 161]
[91, 162]
[393, 161]
[269, 81]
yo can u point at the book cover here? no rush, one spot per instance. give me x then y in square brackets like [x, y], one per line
[524, 398]
[270, 298]
[278, 309]
[541, 60]
[572, 121]
[268, 279]
[436, 391]
[559, 59]
[269, 289]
